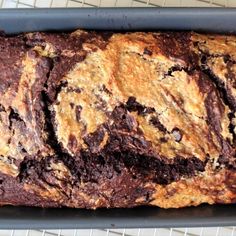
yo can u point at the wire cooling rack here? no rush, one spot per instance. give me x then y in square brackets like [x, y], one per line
[116, 3]
[216, 231]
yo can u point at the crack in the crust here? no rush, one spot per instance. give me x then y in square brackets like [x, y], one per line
[62, 84]
[226, 57]
[177, 68]
[14, 116]
[133, 106]
[52, 138]
[199, 117]
[220, 86]
[172, 69]
[223, 94]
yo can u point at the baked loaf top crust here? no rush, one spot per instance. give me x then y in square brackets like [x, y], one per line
[101, 119]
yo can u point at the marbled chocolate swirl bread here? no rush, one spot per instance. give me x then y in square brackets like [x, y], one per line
[95, 119]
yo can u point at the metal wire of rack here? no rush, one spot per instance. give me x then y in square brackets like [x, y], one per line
[216, 231]
[116, 3]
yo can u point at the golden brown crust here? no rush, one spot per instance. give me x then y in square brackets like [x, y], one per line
[117, 120]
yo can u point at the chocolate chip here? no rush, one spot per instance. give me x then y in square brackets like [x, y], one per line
[163, 140]
[177, 134]
[78, 110]
[76, 90]
[226, 58]
[104, 88]
[147, 52]
[133, 105]
[148, 110]
[72, 105]
[203, 59]
[156, 123]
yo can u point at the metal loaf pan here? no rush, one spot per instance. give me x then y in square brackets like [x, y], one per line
[14, 21]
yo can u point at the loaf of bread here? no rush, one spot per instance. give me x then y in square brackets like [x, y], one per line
[102, 119]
